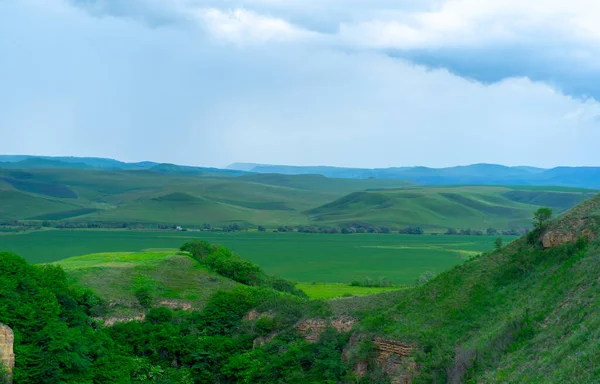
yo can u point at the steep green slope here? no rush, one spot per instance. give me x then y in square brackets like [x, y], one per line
[522, 314]
[444, 207]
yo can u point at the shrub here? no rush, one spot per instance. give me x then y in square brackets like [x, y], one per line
[426, 277]
[199, 249]
[144, 297]
[159, 315]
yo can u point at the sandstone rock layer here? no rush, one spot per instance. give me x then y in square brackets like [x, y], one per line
[7, 356]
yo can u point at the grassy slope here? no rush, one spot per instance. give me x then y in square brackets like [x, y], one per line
[513, 316]
[271, 200]
[443, 207]
[144, 196]
[173, 279]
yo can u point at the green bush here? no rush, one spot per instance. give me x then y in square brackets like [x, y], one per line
[144, 297]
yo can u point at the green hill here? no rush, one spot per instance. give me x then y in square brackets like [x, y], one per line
[444, 207]
[171, 279]
[151, 197]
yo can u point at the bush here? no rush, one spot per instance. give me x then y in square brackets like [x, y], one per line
[144, 297]
[199, 249]
[411, 231]
[159, 315]
[426, 277]
[227, 264]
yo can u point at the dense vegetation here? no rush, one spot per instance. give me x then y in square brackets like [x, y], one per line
[58, 338]
[521, 313]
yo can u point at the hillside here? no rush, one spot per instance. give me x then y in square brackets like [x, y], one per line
[171, 279]
[525, 313]
[444, 207]
[151, 197]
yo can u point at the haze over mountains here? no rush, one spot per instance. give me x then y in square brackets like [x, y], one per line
[486, 174]
[475, 174]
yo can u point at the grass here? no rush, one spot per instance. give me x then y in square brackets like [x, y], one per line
[172, 279]
[401, 259]
[517, 315]
[270, 200]
[331, 291]
[439, 208]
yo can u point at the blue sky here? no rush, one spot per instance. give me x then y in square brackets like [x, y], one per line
[363, 83]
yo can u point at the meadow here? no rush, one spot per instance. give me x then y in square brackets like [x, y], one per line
[86, 197]
[400, 259]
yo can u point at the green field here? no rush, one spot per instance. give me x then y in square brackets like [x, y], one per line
[296, 256]
[332, 290]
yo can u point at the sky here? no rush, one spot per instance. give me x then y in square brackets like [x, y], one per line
[356, 83]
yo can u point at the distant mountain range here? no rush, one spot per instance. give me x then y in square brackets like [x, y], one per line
[478, 174]
[104, 164]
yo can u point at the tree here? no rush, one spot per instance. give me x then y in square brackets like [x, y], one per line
[451, 231]
[541, 218]
[491, 231]
[498, 243]
[261, 228]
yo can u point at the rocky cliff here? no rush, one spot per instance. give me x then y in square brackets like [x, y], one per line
[7, 357]
[581, 221]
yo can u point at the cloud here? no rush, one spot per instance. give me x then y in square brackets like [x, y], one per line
[243, 26]
[552, 41]
[211, 86]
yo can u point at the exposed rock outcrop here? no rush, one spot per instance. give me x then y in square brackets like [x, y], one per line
[7, 356]
[581, 221]
[553, 239]
[391, 356]
[312, 329]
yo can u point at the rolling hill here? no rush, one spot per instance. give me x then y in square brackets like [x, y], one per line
[173, 280]
[445, 207]
[151, 197]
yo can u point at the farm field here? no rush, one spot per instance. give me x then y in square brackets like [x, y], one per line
[333, 290]
[295, 256]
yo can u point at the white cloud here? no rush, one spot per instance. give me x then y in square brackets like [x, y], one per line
[244, 26]
[476, 22]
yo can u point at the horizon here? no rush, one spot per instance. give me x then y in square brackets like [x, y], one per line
[241, 163]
